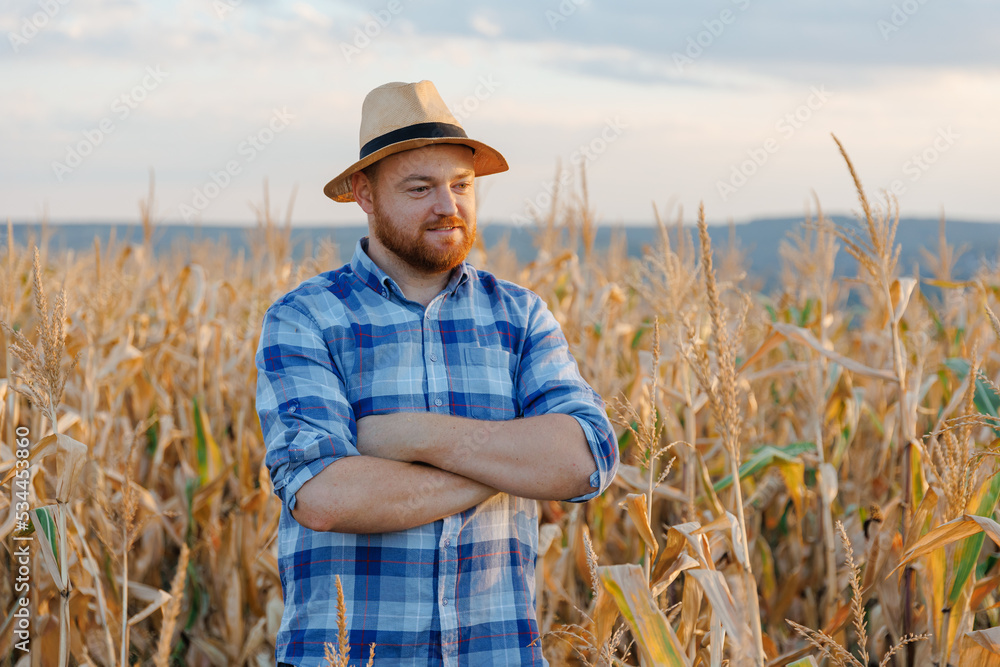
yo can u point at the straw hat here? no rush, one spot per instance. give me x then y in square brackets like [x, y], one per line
[398, 117]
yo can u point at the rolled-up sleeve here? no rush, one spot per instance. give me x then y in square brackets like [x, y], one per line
[304, 414]
[549, 381]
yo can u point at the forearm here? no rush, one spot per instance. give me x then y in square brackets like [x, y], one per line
[545, 457]
[365, 494]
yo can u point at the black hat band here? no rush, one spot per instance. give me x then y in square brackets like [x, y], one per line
[418, 131]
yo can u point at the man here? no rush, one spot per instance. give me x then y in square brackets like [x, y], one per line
[414, 408]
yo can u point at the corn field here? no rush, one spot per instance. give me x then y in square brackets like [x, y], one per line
[804, 480]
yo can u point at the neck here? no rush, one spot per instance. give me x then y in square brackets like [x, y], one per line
[416, 285]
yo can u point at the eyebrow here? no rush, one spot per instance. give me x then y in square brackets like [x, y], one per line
[465, 173]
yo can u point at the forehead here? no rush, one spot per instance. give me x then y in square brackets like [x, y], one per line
[436, 158]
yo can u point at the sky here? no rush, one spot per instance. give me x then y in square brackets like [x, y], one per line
[726, 103]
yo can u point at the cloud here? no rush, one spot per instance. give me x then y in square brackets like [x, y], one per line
[759, 36]
[485, 25]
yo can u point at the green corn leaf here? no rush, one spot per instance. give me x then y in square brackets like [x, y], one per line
[44, 520]
[807, 661]
[986, 400]
[201, 447]
[766, 456]
[967, 554]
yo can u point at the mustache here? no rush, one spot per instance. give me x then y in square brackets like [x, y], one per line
[449, 221]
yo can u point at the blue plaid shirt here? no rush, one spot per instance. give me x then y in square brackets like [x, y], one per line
[347, 344]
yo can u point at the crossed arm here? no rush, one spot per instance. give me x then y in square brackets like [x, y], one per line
[407, 469]
[418, 467]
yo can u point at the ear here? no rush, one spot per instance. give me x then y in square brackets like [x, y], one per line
[362, 189]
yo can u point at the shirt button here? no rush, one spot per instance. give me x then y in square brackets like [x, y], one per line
[291, 409]
[385, 293]
[438, 402]
[445, 602]
[434, 357]
[447, 542]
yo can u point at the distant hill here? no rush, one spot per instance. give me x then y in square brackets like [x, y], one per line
[760, 240]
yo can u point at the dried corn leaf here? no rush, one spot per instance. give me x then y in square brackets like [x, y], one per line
[36, 454]
[72, 455]
[234, 608]
[254, 639]
[635, 505]
[794, 476]
[548, 534]
[667, 577]
[67, 420]
[981, 648]
[771, 342]
[806, 337]
[728, 525]
[691, 597]
[950, 284]
[699, 546]
[706, 483]
[713, 583]
[674, 545]
[984, 588]
[161, 598]
[716, 641]
[919, 522]
[829, 477]
[657, 643]
[213, 650]
[948, 533]
[605, 614]
[124, 361]
[900, 292]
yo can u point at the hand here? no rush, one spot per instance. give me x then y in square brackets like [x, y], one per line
[394, 436]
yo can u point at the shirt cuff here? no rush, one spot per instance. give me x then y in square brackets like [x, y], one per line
[295, 479]
[600, 479]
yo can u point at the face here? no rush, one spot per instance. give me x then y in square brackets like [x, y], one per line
[423, 206]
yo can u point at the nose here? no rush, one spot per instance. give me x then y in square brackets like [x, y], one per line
[445, 202]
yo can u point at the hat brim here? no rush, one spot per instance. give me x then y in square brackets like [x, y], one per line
[485, 161]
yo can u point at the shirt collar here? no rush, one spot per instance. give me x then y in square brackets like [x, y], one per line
[375, 278]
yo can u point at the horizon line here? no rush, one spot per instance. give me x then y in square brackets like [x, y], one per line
[313, 224]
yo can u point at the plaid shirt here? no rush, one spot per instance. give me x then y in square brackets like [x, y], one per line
[347, 344]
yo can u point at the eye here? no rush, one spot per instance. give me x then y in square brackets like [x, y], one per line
[463, 186]
[419, 190]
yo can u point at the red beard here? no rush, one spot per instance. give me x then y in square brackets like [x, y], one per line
[414, 248]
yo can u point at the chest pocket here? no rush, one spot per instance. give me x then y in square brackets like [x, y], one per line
[484, 389]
